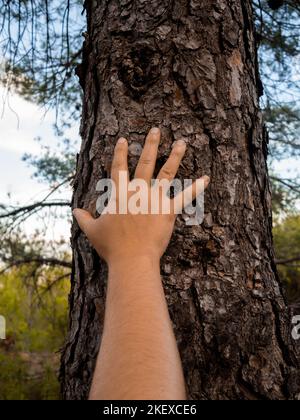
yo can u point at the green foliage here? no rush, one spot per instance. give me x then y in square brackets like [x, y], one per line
[284, 127]
[16, 383]
[278, 36]
[16, 246]
[36, 317]
[285, 195]
[287, 246]
[53, 167]
[281, 199]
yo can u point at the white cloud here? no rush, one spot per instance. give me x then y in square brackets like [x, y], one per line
[20, 123]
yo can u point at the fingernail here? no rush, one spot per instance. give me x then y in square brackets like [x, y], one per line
[206, 179]
[180, 143]
[155, 130]
[122, 140]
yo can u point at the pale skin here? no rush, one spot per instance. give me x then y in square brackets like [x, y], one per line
[138, 357]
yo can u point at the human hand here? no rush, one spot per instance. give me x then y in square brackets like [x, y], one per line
[121, 236]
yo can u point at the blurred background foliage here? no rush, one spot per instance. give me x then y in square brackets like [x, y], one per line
[40, 49]
[287, 245]
[36, 315]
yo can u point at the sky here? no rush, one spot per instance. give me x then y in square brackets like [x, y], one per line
[21, 122]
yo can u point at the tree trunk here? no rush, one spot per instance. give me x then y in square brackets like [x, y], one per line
[189, 67]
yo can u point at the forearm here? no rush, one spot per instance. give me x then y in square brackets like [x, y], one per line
[138, 350]
[138, 357]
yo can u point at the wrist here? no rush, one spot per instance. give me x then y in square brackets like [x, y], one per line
[134, 261]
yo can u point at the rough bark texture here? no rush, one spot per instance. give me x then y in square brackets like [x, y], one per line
[190, 67]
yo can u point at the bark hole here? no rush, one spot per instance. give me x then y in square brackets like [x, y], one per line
[139, 69]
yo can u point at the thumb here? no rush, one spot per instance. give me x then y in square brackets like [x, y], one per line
[84, 219]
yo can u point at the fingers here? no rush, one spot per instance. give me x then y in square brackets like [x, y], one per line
[169, 170]
[146, 165]
[84, 220]
[186, 197]
[120, 162]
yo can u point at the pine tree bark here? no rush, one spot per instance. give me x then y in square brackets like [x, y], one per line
[189, 67]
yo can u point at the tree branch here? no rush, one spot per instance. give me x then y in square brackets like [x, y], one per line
[38, 260]
[287, 261]
[287, 184]
[39, 205]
